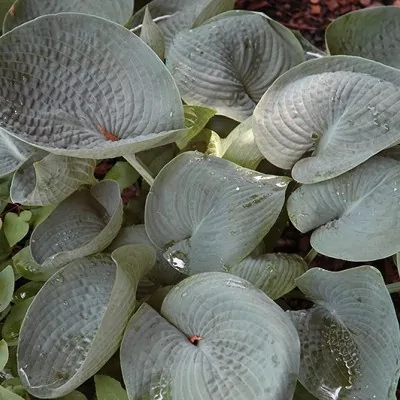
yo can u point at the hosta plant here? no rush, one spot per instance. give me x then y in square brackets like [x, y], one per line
[151, 158]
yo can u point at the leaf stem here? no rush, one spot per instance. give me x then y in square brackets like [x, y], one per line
[140, 167]
[393, 287]
[310, 256]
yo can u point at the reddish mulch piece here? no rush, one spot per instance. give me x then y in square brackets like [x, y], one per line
[310, 17]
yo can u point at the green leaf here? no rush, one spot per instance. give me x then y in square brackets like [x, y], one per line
[240, 146]
[102, 105]
[16, 226]
[13, 322]
[256, 50]
[75, 395]
[25, 10]
[39, 214]
[196, 118]
[207, 142]
[123, 173]
[274, 274]
[85, 223]
[152, 35]
[350, 339]
[6, 287]
[108, 388]
[357, 215]
[26, 266]
[76, 321]
[3, 354]
[26, 291]
[13, 153]
[208, 213]
[310, 51]
[50, 180]
[7, 395]
[342, 108]
[370, 33]
[247, 347]
[302, 394]
[213, 8]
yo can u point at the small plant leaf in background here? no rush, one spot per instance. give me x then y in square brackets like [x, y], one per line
[256, 51]
[123, 173]
[356, 216]
[152, 35]
[353, 103]
[197, 206]
[350, 339]
[370, 33]
[211, 9]
[77, 320]
[25, 10]
[3, 354]
[217, 337]
[75, 395]
[85, 223]
[7, 395]
[6, 287]
[108, 388]
[16, 227]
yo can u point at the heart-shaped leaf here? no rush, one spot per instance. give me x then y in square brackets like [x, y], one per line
[3, 354]
[50, 180]
[350, 339]
[357, 214]
[152, 35]
[370, 33]
[16, 226]
[344, 108]
[25, 10]
[6, 287]
[97, 101]
[217, 337]
[108, 388]
[76, 322]
[274, 274]
[13, 153]
[209, 213]
[230, 61]
[85, 223]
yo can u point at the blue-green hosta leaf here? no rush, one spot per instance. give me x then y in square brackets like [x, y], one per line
[13, 153]
[28, 268]
[247, 347]
[371, 33]
[240, 146]
[208, 213]
[231, 60]
[152, 35]
[274, 274]
[3, 354]
[6, 287]
[16, 226]
[94, 83]
[76, 321]
[350, 339]
[85, 223]
[50, 180]
[344, 108]
[211, 9]
[7, 395]
[108, 388]
[162, 273]
[25, 10]
[173, 16]
[357, 215]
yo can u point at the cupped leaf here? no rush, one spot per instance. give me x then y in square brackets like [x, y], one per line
[13, 153]
[230, 61]
[108, 388]
[16, 226]
[25, 10]
[77, 320]
[350, 339]
[50, 180]
[94, 84]
[344, 108]
[3, 354]
[357, 214]
[85, 223]
[274, 274]
[152, 35]
[370, 33]
[217, 337]
[209, 213]
[6, 287]
[26, 266]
